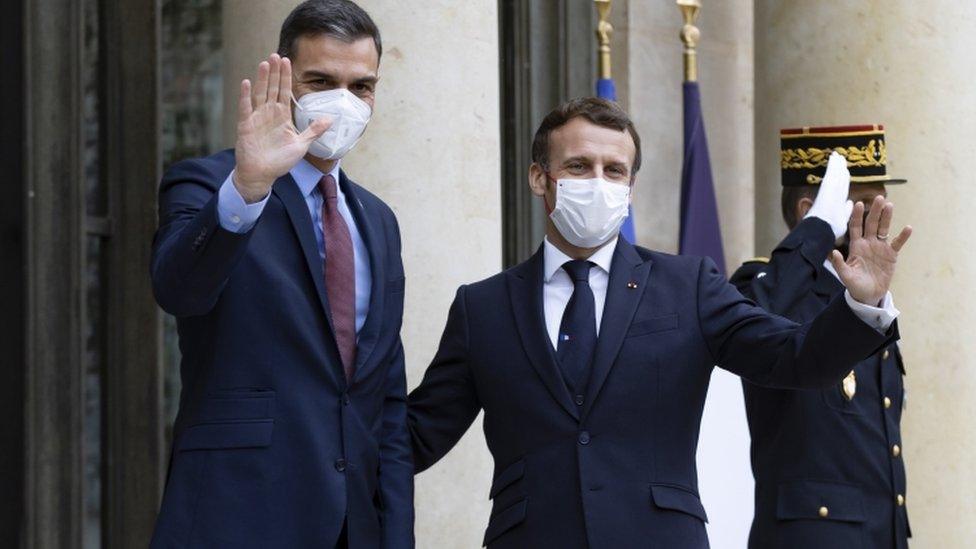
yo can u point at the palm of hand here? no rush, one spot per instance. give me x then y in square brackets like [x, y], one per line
[268, 144]
[870, 264]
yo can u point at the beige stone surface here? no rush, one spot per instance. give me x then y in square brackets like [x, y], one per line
[432, 152]
[906, 64]
[654, 99]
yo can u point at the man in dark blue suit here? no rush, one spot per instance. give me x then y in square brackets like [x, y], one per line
[287, 284]
[591, 360]
[828, 463]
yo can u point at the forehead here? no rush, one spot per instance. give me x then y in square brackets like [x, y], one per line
[332, 55]
[580, 137]
[861, 192]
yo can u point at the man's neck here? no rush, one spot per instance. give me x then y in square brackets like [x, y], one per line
[321, 164]
[561, 244]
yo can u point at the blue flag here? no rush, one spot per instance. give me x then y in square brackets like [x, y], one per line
[605, 89]
[700, 231]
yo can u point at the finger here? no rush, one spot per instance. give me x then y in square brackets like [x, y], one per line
[274, 79]
[856, 226]
[316, 128]
[837, 260]
[244, 108]
[902, 238]
[284, 93]
[884, 224]
[261, 84]
[874, 215]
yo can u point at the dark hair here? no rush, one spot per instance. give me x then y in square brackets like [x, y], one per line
[601, 112]
[793, 194]
[340, 19]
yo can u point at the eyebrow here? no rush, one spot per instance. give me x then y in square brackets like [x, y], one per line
[314, 74]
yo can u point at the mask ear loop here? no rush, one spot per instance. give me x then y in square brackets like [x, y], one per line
[545, 199]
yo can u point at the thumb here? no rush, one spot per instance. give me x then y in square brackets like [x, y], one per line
[316, 129]
[843, 270]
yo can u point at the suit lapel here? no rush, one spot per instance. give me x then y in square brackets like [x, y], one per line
[628, 275]
[525, 291]
[370, 332]
[291, 197]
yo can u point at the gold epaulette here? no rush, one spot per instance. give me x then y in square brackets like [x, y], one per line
[757, 260]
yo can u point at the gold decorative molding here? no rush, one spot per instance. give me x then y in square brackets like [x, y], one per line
[690, 36]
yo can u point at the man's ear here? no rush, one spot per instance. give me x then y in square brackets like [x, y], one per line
[803, 207]
[537, 179]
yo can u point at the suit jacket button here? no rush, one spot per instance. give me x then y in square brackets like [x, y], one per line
[579, 400]
[340, 465]
[584, 438]
[823, 512]
[345, 400]
[887, 402]
[885, 355]
[900, 500]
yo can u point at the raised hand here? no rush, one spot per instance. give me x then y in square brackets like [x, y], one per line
[870, 264]
[832, 204]
[268, 144]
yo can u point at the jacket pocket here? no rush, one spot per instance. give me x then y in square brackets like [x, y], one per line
[507, 477]
[236, 404]
[678, 498]
[225, 435]
[653, 325]
[817, 500]
[505, 520]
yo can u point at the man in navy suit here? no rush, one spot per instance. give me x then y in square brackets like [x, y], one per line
[287, 284]
[839, 447]
[591, 360]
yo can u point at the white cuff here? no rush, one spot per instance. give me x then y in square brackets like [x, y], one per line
[234, 214]
[879, 318]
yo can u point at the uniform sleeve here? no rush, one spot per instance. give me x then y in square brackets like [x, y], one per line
[446, 403]
[792, 269]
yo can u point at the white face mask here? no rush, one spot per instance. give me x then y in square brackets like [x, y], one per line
[349, 115]
[589, 212]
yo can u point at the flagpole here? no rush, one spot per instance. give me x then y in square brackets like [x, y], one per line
[689, 36]
[603, 31]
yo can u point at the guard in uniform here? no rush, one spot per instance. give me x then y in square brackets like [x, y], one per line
[828, 464]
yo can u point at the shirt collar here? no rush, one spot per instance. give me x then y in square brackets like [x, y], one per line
[554, 258]
[308, 176]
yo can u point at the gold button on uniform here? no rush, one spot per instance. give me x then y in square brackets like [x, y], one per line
[896, 450]
[885, 355]
[900, 500]
[823, 512]
[887, 403]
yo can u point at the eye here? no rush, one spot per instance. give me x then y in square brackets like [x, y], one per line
[362, 88]
[575, 167]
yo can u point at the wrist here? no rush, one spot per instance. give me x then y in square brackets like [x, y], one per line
[251, 191]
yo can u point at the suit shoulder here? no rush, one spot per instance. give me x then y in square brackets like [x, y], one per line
[370, 200]
[210, 170]
[670, 261]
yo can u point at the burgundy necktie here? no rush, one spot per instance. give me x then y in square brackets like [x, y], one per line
[340, 275]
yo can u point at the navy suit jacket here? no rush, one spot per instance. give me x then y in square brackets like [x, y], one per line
[813, 449]
[271, 447]
[615, 468]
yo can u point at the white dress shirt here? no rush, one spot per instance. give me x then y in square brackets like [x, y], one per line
[558, 287]
[237, 216]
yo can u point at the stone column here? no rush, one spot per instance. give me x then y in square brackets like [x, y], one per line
[432, 152]
[906, 64]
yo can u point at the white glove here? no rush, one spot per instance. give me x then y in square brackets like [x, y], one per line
[832, 204]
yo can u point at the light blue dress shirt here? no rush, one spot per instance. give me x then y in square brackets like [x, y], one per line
[237, 216]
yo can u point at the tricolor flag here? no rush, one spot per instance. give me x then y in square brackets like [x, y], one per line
[700, 231]
[605, 89]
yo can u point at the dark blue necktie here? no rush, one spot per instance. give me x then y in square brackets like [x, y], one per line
[577, 331]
